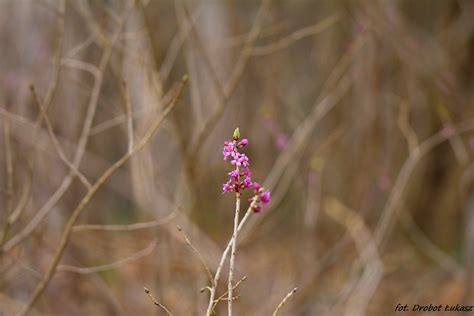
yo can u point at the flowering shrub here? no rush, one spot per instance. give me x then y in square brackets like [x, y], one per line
[241, 178]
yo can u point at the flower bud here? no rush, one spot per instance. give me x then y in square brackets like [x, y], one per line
[256, 186]
[244, 142]
[236, 135]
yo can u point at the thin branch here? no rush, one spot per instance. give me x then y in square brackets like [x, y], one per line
[83, 66]
[176, 44]
[283, 301]
[57, 58]
[55, 141]
[25, 196]
[114, 265]
[122, 118]
[86, 13]
[427, 246]
[9, 164]
[201, 258]
[225, 296]
[233, 41]
[294, 37]
[90, 194]
[128, 112]
[156, 302]
[9, 173]
[124, 228]
[408, 132]
[16, 118]
[76, 49]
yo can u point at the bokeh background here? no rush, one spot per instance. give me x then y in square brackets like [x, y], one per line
[360, 119]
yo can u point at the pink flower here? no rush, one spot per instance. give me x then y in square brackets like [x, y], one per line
[265, 197]
[234, 174]
[281, 141]
[228, 187]
[229, 149]
[247, 183]
[256, 186]
[246, 172]
[239, 160]
[244, 142]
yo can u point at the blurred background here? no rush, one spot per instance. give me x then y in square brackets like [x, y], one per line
[360, 120]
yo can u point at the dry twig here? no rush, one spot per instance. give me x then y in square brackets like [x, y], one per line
[225, 295]
[283, 301]
[156, 302]
[294, 37]
[201, 258]
[114, 265]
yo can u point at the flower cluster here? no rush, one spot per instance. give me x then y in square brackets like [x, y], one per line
[261, 197]
[241, 178]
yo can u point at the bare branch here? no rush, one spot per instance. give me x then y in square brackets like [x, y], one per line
[284, 301]
[55, 141]
[125, 228]
[294, 37]
[225, 295]
[128, 112]
[201, 258]
[114, 265]
[156, 302]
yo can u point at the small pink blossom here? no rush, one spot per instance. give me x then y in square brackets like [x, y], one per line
[247, 183]
[244, 142]
[281, 141]
[228, 186]
[229, 149]
[256, 186]
[246, 172]
[262, 197]
[240, 160]
[234, 174]
[265, 197]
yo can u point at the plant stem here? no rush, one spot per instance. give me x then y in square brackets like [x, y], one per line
[232, 254]
[221, 262]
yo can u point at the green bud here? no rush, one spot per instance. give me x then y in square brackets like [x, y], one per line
[236, 134]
